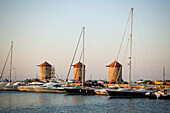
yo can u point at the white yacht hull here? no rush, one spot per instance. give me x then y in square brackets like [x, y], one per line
[49, 90]
[21, 88]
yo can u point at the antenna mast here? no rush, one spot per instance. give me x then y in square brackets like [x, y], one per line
[164, 76]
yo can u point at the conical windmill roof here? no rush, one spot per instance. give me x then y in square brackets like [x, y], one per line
[79, 64]
[45, 64]
[113, 64]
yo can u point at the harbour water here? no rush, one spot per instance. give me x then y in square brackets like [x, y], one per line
[24, 102]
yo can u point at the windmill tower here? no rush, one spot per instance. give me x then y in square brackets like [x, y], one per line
[78, 71]
[45, 71]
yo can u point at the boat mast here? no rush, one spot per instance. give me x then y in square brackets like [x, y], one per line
[74, 56]
[83, 74]
[130, 84]
[11, 62]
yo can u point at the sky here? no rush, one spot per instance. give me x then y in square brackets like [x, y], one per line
[48, 30]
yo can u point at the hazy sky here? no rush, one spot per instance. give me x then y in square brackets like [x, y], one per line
[48, 30]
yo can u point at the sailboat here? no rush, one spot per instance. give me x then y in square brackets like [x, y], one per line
[9, 86]
[80, 90]
[128, 92]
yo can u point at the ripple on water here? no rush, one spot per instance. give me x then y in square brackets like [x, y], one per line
[19, 102]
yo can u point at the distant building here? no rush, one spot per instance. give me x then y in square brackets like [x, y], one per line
[45, 71]
[113, 76]
[78, 72]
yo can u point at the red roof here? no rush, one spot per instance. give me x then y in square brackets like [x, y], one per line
[45, 64]
[79, 64]
[113, 64]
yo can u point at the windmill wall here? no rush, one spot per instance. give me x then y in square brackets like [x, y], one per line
[117, 74]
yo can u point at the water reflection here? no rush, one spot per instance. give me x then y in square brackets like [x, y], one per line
[77, 100]
[9, 100]
[16, 99]
[73, 99]
[42, 99]
[129, 105]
